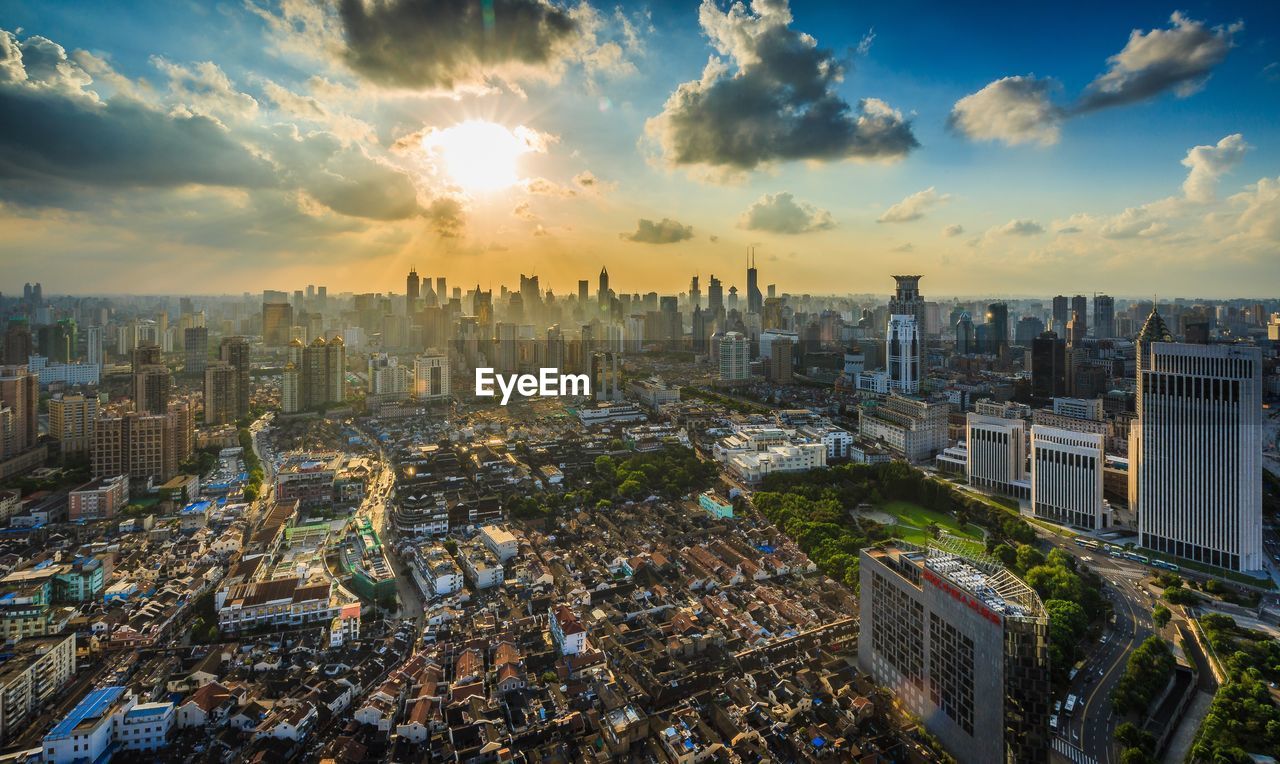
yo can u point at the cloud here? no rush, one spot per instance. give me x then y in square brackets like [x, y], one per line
[864, 44]
[904, 247]
[446, 216]
[665, 231]
[913, 207]
[955, 229]
[524, 211]
[1179, 58]
[588, 183]
[205, 89]
[1260, 216]
[1209, 163]
[1021, 228]
[1133, 222]
[1012, 110]
[782, 213]
[1016, 110]
[770, 95]
[425, 44]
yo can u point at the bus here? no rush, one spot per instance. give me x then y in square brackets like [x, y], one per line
[1069, 707]
[1137, 557]
[1087, 543]
[1165, 565]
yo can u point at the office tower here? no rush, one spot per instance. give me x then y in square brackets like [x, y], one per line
[1195, 452]
[151, 387]
[1028, 328]
[733, 357]
[695, 294]
[235, 351]
[1075, 330]
[701, 331]
[531, 297]
[19, 401]
[902, 348]
[715, 298]
[583, 291]
[780, 361]
[1048, 367]
[755, 301]
[1061, 314]
[732, 302]
[771, 291]
[195, 345]
[772, 315]
[914, 428]
[71, 422]
[387, 376]
[18, 343]
[504, 347]
[93, 345]
[965, 339]
[997, 454]
[602, 292]
[412, 291]
[482, 303]
[145, 354]
[998, 337]
[220, 389]
[1066, 476]
[57, 341]
[672, 331]
[906, 300]
[964, 645]
[1104, 316]
[322, 298]
[277, 317]
[1080, 307]
[431, 377]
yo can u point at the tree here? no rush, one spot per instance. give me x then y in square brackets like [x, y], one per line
[1028, 557]
[1006, 555]
[1160, 615]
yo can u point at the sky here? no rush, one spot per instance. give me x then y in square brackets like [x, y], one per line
[1000, 149]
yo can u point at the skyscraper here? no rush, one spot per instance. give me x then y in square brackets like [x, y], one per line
[1048, 367]
[584, 287]
[964, 645]
[152, 385]
[431, 377]
[695, 294]
[18, 343]
[412, 291]
[1066, 476]
[1080, 307]
[93, 345]
[277, 317]
[195, 345]
[71, 422]
[998, 320]
[602, 292]
[235, 351]
[715, 298]
[732, 357]
[19, 398]
[219, 393]
[1061, 314]
[906, 300]
[965, 343]
[755, 300]
[1104, 316]
[1195, 476]
[903, 349]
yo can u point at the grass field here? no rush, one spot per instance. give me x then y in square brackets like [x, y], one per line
[914, 520]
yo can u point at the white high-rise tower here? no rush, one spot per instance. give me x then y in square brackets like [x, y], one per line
[902, 341]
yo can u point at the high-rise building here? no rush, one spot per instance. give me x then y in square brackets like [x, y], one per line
[19, 399]
[998, 336]
[1027, 329]
[152, 385]
[715, 298]
[780, 360]
[914, 428]
[195, 345]
[1195, 452]
[964, 645]
[1104, 316]
[584, 291]
[277, 317]
[1066, 476]
[235, 351]
[1061, 314]
[733, 357]
[1048, 367]
[143, 446]
[412, 291]
[695, 294]
[903, 349]
[18, 343]
[966, 341]
[997, 453]
[672, 331]
[94, 345]
[431, 377]
[907, 300]
[1075, 330]
[387, 376]
[145, 354]
[755, 300]
[602, 292]
[220, 388]
[322, 373]
[71, 422]
[1080, 307]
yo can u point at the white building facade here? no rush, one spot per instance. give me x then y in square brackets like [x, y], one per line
[1066, 477]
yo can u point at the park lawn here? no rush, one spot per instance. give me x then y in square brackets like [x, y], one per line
[914, 516]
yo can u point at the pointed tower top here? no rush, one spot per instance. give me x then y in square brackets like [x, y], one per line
[1155, 329]
[604, 271]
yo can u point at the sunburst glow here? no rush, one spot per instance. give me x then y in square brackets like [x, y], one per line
[481, 156]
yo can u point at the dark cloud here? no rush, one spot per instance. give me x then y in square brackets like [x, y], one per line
[444, 43]
[780, 104]
[1021, 228]
[446, 216]
[665, 231]
[1179, 58]
[783, 213]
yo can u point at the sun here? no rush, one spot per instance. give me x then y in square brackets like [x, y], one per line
[481, 156]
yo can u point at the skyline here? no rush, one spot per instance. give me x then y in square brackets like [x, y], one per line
[288, 143]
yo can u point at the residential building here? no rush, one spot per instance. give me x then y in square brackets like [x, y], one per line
[99, 499]
[71, 422]
[732, 356]
[915, 429]
[431, 377]
[567, 630]
[32, 673]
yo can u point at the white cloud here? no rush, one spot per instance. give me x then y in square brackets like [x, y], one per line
[783, 213]
[1013, 110]
[1260, 216]
[1021, 228]
[1209, 163]
[914, 206]
[955, 229]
